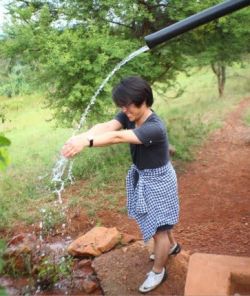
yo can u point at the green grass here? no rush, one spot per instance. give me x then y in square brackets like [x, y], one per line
[3, 292]
[24, 187]
[199, 110]
[35, 144]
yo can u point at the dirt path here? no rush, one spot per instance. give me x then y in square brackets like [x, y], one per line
[215, 192]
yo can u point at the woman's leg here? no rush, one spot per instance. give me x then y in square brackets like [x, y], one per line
[171, 237]
[158, 273]
[161, 249]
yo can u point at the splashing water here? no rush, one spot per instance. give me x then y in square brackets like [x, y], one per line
[63, 163]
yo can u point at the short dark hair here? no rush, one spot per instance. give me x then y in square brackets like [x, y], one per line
[133, 89]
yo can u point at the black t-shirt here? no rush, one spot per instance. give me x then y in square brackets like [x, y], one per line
[153, 152]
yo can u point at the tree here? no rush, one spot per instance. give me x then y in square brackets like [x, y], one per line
[233, 39]
[72, 45]
[219, 43]
[73, 60]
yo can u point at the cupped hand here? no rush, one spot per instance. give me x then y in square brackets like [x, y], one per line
[74, 145]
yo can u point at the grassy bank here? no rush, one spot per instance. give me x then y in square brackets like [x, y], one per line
[199, 110]
[24, 187]
[33, 151]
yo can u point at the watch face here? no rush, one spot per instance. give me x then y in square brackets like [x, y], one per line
[90, 139]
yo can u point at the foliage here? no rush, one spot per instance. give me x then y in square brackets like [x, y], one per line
[4, 156]
[51, 270]
[14, 81]
[72, 60]
[223, 40]
[72, 45]
[219, 43]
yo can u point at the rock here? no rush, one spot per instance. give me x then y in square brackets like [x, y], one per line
[115, 268]
[127, 238]
[84, 263]
[25, 253]
[84, 272]
[121, 273]
[95, 242]
[12, 286]
[124, 249]
[21, 238]
[76, 286]
[19, 256]
[89, 286]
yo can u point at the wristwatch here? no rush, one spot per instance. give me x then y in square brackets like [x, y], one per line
[91, 140]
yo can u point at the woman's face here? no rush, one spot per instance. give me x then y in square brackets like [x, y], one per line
[133, 112]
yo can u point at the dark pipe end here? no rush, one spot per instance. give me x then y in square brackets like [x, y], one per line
[194, 21]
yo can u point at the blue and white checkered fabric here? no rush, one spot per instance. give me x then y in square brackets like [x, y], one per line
[153, 202]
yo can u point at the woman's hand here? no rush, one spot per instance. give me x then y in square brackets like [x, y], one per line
[75, 145]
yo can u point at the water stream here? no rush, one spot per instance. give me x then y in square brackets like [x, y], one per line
[63, 165]
[62, 171]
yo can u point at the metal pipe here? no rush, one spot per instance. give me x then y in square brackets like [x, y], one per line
[194, 21]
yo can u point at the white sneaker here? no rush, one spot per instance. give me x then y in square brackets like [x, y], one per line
[153, 280]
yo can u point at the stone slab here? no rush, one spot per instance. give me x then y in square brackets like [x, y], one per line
[210, 274]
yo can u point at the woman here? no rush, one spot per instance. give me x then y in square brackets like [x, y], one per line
[152, 197]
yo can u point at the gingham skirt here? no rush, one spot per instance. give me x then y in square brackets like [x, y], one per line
[153, 202]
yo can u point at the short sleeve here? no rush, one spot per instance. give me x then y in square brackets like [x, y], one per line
[150, 133]
[121, 117]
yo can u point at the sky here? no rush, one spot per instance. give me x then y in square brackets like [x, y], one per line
[2, 11]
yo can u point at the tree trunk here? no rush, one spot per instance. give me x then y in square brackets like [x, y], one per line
[219, 70]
